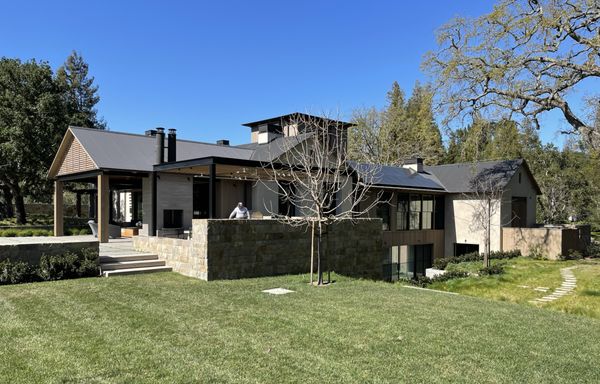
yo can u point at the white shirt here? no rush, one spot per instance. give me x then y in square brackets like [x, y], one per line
[240, 213]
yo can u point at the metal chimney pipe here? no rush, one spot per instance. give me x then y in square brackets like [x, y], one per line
[160, 145]
[172, 145]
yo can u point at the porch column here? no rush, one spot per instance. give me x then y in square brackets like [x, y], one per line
[58, 209]
[103, 209]
[78, 204]
[212, 191]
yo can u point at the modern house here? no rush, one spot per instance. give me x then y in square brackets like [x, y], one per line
[168, 185]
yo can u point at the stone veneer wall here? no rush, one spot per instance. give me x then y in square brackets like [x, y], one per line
[31, 251]
[232, 249]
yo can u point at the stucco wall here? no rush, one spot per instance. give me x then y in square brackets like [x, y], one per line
[547, 242]
[460, 228]
[526, 189]
[231, 249]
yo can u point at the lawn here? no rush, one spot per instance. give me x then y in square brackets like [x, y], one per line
[523, 275]
[169, 328]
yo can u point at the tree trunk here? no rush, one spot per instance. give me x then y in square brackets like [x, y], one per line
[488, 235]
[319, 269]
[8, 209]
[19, 205]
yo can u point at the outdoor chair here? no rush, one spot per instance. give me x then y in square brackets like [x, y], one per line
[114, 231]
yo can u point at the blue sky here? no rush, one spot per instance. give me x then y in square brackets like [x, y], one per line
[207, 67]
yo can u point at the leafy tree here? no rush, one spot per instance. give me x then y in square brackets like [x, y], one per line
[401, 131]
[32, 122]
[523, 58]
[80, 93]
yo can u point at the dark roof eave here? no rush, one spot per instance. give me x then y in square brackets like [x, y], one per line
[345, 124]
[202, 161]
[96, 172]
[407, 188]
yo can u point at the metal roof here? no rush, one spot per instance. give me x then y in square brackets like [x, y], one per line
[397, 177]
[126, 151]
[458, 178]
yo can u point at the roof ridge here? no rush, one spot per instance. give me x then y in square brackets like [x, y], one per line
[152, 137]
[474, 162]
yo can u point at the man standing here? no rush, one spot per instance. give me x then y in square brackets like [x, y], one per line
[240, 212]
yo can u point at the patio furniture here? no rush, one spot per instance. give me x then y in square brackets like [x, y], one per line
[114, 231]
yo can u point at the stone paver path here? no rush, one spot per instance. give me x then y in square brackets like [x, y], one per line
[568, 285]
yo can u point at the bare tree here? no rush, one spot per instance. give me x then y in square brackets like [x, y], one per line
[523, 58]
[313, 177]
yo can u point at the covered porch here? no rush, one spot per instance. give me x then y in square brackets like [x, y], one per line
[115, 200]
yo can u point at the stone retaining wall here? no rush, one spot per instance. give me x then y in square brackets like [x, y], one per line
[31, 250]
[232, 249]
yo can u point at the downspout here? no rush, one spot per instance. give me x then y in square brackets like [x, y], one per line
[154, 204]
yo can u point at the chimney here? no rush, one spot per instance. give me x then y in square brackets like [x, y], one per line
[172, 145]
[268, 132]
[416, 164]
[223, 142]
[160, 145]
[150, 132]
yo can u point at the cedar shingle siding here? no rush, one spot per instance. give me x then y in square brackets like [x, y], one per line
[76, 160]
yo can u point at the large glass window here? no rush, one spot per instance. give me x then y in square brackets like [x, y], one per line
[415, 212]
[427, 212]
[383, 212]
[402, 213]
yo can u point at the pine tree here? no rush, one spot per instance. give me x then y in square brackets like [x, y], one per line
[425, 136]
[394, 130]
[80, 93]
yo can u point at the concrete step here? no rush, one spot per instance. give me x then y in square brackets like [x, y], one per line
[132, 264]
[127, 257]
[131, 271]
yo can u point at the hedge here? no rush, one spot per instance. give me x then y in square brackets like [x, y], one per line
[16, 232]
[69, 265]
[441, 263]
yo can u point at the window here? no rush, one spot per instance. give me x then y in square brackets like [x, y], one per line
[462, 249]
[402, 213]
[427, 210]
[383, 212]
[415, 212]
[439, 212]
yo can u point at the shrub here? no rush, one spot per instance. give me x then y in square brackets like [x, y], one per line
[15, 272]
[593, 250]
[89, 263]
[10, 233]
[449, 276]
[496, 269]
[42, 232]
[26, 233]
[443, 262]
[84, 231]
[72, 232]
[572, 255]
[69, 265]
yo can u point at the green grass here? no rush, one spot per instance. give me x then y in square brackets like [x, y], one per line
[523, 275]
[169, 328]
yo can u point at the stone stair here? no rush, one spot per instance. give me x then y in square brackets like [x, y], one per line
[124, 260]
